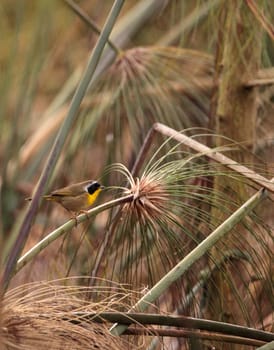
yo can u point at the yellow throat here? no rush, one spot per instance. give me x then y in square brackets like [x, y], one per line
[92, 197]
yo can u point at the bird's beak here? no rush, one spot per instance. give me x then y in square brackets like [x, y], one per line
[102, 187]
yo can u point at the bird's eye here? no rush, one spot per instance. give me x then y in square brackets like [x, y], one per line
[93, 187]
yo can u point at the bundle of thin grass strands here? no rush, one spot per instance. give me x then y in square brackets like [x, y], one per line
[43, 315]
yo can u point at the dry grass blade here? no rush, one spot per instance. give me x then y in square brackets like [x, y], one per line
[192, 334]
[217, 156]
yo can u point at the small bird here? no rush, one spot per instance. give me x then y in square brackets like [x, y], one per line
[77, 197]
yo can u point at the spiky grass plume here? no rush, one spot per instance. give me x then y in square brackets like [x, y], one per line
[166, 217]
[45, 315]
[144, 85]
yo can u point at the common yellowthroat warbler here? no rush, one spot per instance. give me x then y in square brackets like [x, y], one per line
[77, 197]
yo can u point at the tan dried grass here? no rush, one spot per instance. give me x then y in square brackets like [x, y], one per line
[45, 315]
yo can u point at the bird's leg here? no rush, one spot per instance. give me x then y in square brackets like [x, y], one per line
[73, 217]
[84, 212]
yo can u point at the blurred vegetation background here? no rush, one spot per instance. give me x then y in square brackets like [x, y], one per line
[205, 67]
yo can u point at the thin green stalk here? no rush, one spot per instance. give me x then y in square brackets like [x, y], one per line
[29, 255]
[183, 266]
[59, 142]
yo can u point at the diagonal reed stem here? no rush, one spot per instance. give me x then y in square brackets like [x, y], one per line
[59, 142]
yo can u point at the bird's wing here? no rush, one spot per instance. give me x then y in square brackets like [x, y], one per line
[72, 190]
[62, 192]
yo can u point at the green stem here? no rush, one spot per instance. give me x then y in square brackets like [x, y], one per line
[268, 346]
[177, 272]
